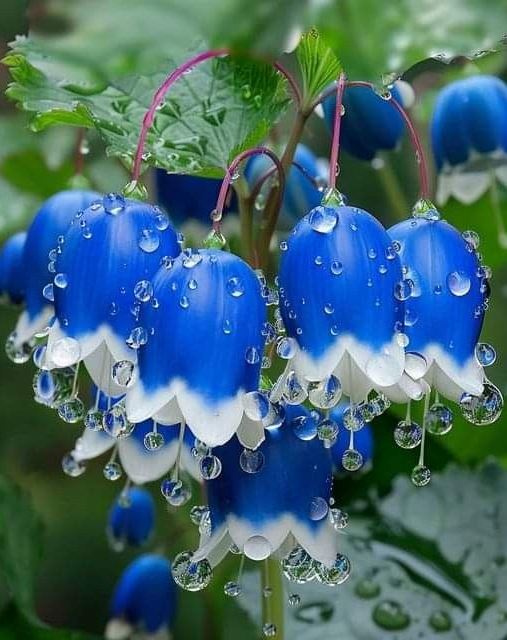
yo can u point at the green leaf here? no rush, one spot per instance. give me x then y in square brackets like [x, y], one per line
[14, 626]
[210, 115]
[429, 563]
[318, 65]
[373, 40]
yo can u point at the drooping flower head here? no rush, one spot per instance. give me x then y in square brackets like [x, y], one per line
[369, 123]
[469, 137]
[274, 501]
[206, 346]
[301, 193]
[131, 519]
[144, 600]
[339, 297]
[446, 295]
[41, 248]
[12, 271]
[102, 278]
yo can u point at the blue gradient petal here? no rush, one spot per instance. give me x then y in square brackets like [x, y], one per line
[12, 269]
[337, 297]
[208, 322]
[145, 595]
[131, 519]
[369, 124]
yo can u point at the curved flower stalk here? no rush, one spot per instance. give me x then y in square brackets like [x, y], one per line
[446, 294]
[339, 278]
[12, 272]
[469, 137]
[103, 271]
[146, 451]
[369, 122]
[131, 519]
[144, 601]
[41, 247]
[270, 502]
[353, 448]
[301, 192]
[206, 349]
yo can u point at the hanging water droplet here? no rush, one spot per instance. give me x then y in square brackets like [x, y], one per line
[298, 566]
[48, 292]
[115, 422]
[137, 338]
[149, 240]
[403, 289]
[326, 394]
[93, 419]
[294, 600]
[472, 239]
[232, 589]
[438, 420]
[337, 573]
[459, 283]
[235, 287]
[210, 467]
[485, 354]
[352, 418]
[420, 475]
[304, 427]
[123, 373]
[189, 575]
[269, 630]
[286, 348]
[252, 355]
[143, 291]
[71, 411]
[175, 492]
[251, 461]
[256, 405]
[71, 466]
[339, 518]
[18, 354]
[323, 219]
[293, 391]
[153, 441]
[112, 471]
[198, 513]
[319, 260]
[161, 219]
[257, 548]
[318, 508]
[113, 203]
[407, 435]
[484, 409]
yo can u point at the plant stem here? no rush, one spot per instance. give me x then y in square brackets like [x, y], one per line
[273, 606]
[245, 203]
[394, 192]
[497, 211]
[335, 141]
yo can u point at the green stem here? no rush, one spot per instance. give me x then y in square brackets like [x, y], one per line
[392, 188]
[245, 205]
[272, 209]
[497, 211]
[273, 606]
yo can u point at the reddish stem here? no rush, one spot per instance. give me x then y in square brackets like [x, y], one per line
[229, 176]
[149, 116]
[335, 142]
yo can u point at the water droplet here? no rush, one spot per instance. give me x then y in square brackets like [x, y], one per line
[337, 573]
[458, 283]
[123, 373]
[153, 441]
[232, 589]
[336, 268]
[257, 548]
[286, 348]
[60, 280]
[420, 475]
[48, 292]
[293, 391]
[71, 411]
[235, 287]
[143, 290]
[269, 630]
[326, 394]
[485, 354]
[93, 419]
[112, 471]
[113, 203]
[304, 427]
[318, 508]
[256, 405]
[294, 600]
[210, 467]
[353, 419]
[319, 260]
[175, 492]
[65, 352]
[440, 621]
[192, 284]
[407, 435]
[191, 258]
[283, 245]
[71, 466]
[189, 575]
[298, 566]
[437, 289]
[390, 615]
[149, 240]
[252, 355]
[367, 589]
[403, 289]
[484, 409]
[416, 365]
[438, 420]
[472, 239]
[184, 302]
[161, 219]
[339, 518]
[251, 461]
[115, 422]
[352, 460]
[323, 219]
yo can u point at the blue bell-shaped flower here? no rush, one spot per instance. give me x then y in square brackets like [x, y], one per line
[131, 519]
[300, 194]
[469, 137]
[272, 501]
[339, 279]
[42, 244]
[12, 270]
[147, 451]
[144, 601]
[445, 291]
[102, 279]
[206, 346]
[369, 123]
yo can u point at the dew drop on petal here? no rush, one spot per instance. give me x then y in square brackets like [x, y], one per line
[210, 467]
[189, 575]
[391, 615]
[403, 289]
[161, 219]
[459, 283]
[286, 348]
[149, 240]
[319, 508]
[115, 422]
[72, 467]
[336, 268]
[137, 338]
[352, 460]
[60, 280]
[184, 302]
[251, 461]
[337, 573]
[323, 219]
[252, 355]
[298, 566]
[293, 391]
[484, 409]
[113, 203]
[485, 354]
[65, 352]
[123, 372]
[339, 518]
[235, 287]
[153, 441]
[71, 411]
[269, 630]
[416, 365]
[326, 394]
[304, 427]
[48, 292]
[257, 548]
[256, 405]
[143, 290]
[192, 258]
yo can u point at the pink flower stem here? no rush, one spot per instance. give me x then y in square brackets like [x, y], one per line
[335, 142]
[158, 98]
[230, 174]
[424, 182]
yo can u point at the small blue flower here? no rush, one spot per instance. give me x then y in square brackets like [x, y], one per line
[300, 194]
[12, 270]
[188, 198]
[363, 440]
[369, 124]
[273, 499]
[469, 137]
[144, 600]
[338, 279]
[102, 279]
[131, 519]
[41, 247]
[446, 293]
[207, 345]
